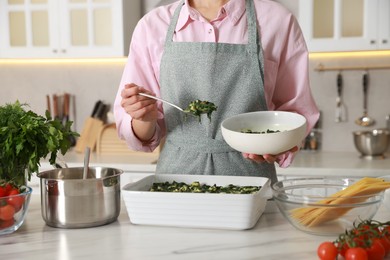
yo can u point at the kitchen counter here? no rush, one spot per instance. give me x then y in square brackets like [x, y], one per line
[272, 238]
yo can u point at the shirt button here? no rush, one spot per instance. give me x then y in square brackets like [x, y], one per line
[210, 30]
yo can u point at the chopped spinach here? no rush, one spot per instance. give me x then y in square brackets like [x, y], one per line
[268, 131]
[197, 187]
[198, 107]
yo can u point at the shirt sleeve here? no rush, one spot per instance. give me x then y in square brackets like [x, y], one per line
[292, 89]
[139, 69]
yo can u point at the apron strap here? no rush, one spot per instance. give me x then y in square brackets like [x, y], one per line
[172, 25]
[253, 38]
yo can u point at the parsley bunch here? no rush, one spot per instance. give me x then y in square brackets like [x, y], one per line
[26, 138]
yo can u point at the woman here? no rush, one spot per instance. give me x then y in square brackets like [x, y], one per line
[242, 55]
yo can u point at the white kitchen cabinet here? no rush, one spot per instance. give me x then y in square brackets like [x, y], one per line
[345, 25]
[66, 28]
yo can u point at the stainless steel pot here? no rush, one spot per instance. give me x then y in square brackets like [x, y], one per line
[69, 201]
[372, 143]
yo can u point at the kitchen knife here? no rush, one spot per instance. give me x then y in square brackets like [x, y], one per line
[48, 104]
[55, 107]
[65, 117]
[96, 107]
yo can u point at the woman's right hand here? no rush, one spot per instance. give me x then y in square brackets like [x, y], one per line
[143, 111]
[138, 107]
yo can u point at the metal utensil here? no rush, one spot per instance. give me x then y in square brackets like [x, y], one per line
[372, 143]
[365, 120]
[86, 162]
[162, 100]
[340, 115]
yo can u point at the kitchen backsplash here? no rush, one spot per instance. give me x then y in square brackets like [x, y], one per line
[89, 82]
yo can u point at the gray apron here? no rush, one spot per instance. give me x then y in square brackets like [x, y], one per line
[230, 76]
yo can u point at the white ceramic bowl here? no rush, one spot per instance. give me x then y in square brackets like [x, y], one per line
[292, 127]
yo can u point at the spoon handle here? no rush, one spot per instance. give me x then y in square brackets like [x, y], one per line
[365, 91]
[86, 162]
[162, 100]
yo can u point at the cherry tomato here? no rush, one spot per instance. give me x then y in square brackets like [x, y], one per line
[6, 223]
[386, 244]
[376, 250]
[14, 200]
[7, 212]
[356, 253]
[8, 187]
[327, 251]
[3, 191]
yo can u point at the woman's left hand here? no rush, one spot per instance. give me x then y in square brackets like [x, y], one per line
[270, 158]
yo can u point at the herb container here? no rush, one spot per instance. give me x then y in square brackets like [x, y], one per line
[196, 210]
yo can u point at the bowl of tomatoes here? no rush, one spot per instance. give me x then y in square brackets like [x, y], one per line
[14, 201]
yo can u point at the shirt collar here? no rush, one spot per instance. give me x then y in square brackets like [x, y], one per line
[234, 10]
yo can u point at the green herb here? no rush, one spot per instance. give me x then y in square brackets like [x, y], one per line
[197, 187]
[198, 107]
[268, 131]
[26, 138]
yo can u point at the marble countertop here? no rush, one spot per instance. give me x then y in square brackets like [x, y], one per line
[272, 238]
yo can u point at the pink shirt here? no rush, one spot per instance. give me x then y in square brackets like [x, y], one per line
[285, 54]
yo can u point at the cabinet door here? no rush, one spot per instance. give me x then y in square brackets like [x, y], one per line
[339, 25]
[66, 28]
[384, 25]
[91, 28]
[27, 28]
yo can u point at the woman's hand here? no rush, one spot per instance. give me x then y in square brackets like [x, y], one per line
[138, 107]
[270, 158]
[143, 111]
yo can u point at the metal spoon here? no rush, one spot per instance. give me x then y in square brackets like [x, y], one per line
[164, 101]
[86, 162]
[365, 120]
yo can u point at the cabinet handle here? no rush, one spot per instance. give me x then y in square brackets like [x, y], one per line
[63, 51]
[372, 41]
[384, 41]
[55, 51]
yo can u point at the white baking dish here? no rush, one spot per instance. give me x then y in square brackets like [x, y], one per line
[198, 210]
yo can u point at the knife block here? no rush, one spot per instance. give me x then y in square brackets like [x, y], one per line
[89, 135]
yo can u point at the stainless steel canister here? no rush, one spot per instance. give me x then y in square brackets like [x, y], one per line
[69, 201]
